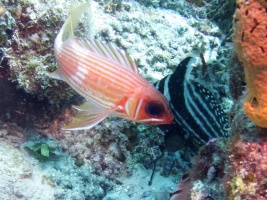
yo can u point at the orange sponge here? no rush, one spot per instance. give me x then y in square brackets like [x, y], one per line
[250, 41]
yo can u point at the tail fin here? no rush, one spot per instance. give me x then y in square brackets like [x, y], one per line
[71, 23]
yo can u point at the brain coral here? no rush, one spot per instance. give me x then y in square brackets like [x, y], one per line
[250, 40]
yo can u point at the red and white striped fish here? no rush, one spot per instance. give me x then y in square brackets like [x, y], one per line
[107, 78]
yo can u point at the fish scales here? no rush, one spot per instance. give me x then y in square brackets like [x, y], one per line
[101, 66]
[101, 79]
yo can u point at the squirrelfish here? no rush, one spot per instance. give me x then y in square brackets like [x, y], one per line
[107, 78]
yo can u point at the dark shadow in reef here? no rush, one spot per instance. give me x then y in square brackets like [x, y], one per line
[25, 109]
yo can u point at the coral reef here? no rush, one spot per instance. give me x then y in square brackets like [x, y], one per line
[247, 158]
[30, 29]
[144, 38]
[250, 42]
[29, 48]
[219, 11]
[204, 179]
[54, 177]
[104, 148]
[148, 148]
[208, 171]
[27, 38]
[237, 78]
[115, 159]
[112, 6]
[24, 177]
[247, 145]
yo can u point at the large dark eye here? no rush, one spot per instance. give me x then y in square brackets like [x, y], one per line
[154, 109]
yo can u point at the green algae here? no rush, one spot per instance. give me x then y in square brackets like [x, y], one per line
[40, 151]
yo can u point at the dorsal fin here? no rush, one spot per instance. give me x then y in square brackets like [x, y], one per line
[182, 72]
[110, 52]
[71, 23]
[73, 3]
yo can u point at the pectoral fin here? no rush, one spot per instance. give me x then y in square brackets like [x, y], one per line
[89, 114]
[89, 106]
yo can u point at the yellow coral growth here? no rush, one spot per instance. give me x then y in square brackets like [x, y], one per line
[250, 40]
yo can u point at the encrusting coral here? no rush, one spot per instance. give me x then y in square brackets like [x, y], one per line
[250, 40]
[247, 159]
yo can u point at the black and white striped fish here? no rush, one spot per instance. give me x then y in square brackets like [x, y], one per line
[198, 114]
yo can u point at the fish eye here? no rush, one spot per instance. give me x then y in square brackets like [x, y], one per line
[155, 109]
